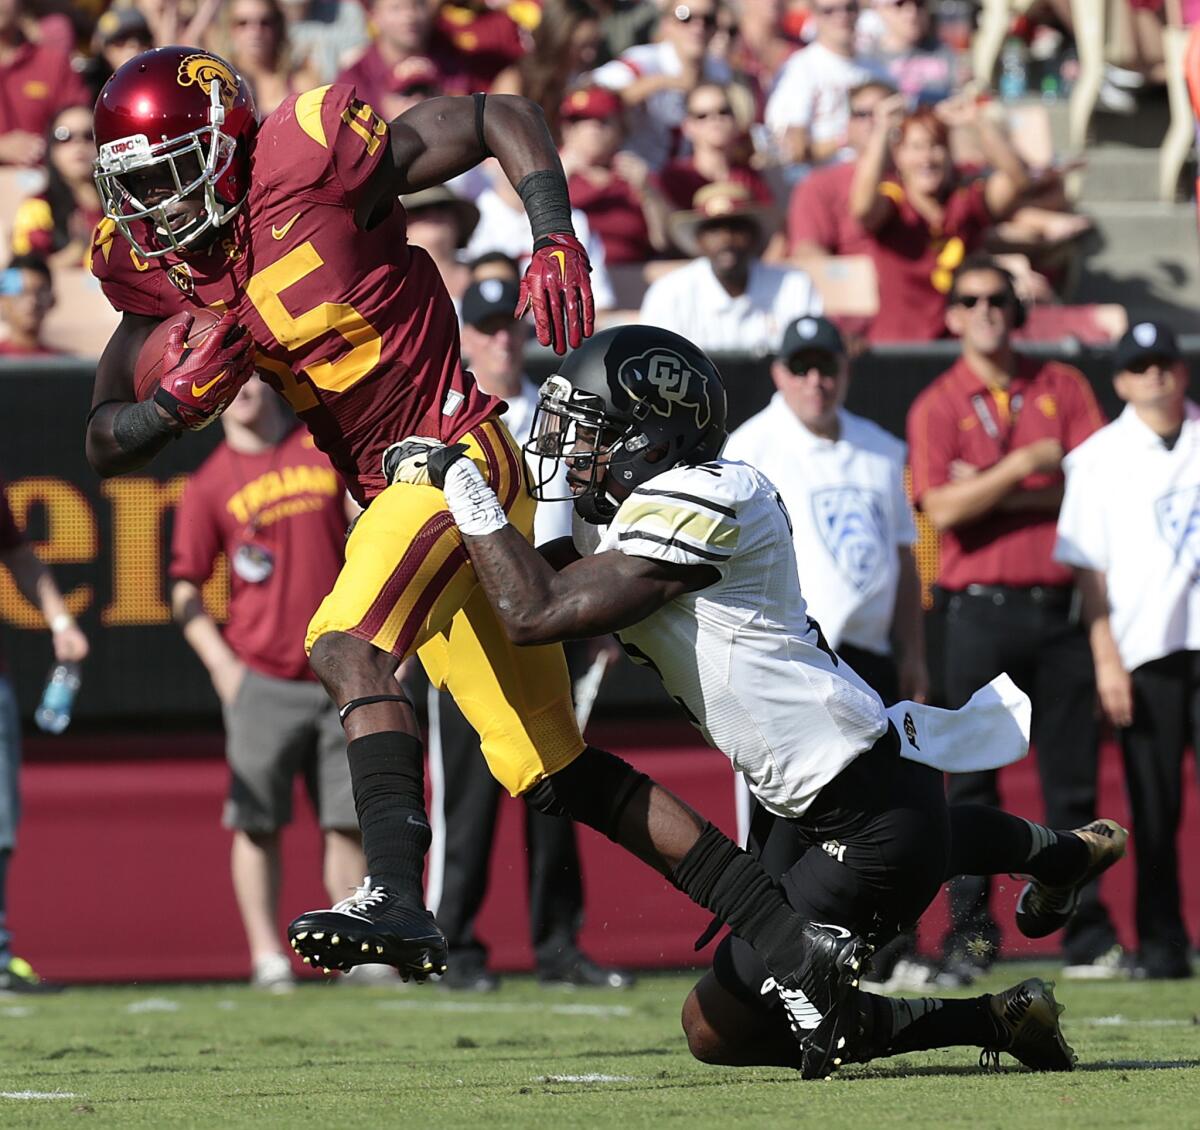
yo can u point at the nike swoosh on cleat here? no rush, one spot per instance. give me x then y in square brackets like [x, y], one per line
[200, 390]
[279, 233]
[840, 931]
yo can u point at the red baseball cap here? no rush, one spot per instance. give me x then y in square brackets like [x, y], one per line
[590, 103]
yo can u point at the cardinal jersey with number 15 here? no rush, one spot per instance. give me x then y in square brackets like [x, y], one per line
[354, 327]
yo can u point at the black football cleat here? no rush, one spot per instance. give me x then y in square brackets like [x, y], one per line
[371, 927]
[1042, 909]
[1027, 1018]
[814, 996]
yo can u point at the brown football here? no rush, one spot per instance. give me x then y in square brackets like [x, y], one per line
[149, 366]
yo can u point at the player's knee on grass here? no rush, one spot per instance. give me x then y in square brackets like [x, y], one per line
[704, 1042]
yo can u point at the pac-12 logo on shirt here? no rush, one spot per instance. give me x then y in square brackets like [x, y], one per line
[851, 524]
[660, 380]
[1178, 515]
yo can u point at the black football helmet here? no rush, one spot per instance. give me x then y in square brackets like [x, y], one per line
[631, 402]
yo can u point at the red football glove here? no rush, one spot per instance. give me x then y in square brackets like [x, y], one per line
[199, 383]
[557, 286]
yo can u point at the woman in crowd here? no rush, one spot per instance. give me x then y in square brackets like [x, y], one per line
[565, 45]
[608, 186]
[57, 223]
[252, 35]
[910, 56]
[717, 130]
[922, 219]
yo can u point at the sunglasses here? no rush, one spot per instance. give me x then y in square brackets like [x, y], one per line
[838, 10]
[897, 3]
[685, 15]
[1142, 365]
[704, 115]
[860, 114]
[998, 300]
[803, 364]
[255, 21]
[64, 133]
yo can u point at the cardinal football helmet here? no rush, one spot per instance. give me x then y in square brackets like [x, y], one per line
[628, 404]
[175, 120]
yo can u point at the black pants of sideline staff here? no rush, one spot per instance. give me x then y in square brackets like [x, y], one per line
[1166, 718]
[1031, 634]
[462, 853]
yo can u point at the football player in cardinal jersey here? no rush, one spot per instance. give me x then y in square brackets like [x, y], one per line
[292, 228]
[689, 559]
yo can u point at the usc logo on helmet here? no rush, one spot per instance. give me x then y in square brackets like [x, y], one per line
[204, 70]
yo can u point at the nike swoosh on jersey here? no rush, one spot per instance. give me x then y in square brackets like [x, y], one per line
[200, 390]
[561, 256]
[279, 233]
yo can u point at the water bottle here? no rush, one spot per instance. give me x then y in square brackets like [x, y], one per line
[1014, 75]
[54, 711]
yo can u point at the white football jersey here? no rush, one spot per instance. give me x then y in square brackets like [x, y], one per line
[742, 656]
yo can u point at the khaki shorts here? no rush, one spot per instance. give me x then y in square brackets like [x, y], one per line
[274, 730]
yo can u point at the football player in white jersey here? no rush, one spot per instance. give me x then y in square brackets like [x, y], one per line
[689, 559]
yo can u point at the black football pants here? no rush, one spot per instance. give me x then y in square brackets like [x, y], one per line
[1031, 635]
[1166, 719]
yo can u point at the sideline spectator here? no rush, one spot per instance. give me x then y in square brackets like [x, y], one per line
[761, 47]
[26, 297]
[57, 224]
[720, 150]
[478, 39]
[328, 34]
[252, 35]
[566, 44]
[986, 442]
[441, 221]
[403, 30]
[494, 347]
[654, 78]
[728, 299]
[607, 185]
[270, 502]
[925, 222]
[819, 220]
[808, 110]
[36, 584]
[503, 226]
[1127, 528]
[36, 82]
[841, 478]
[121, 33]
[910, 56]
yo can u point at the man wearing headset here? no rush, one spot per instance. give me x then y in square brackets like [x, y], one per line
[986, 442]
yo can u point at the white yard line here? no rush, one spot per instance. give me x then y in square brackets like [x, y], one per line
[1119, 1021]
[37, 1095]
[602, 1011]
[590, 1077]
[153, 1004]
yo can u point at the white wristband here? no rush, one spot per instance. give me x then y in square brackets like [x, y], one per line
[476, 509]
[61, 622]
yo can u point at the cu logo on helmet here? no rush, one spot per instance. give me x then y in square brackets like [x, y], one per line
[663, 381]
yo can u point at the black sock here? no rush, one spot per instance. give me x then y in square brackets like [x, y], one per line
[387, 772]
[987, 841]
[932, 1022]
[720, 876]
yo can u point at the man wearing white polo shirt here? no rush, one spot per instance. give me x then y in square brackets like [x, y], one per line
[728, 298]
[841, 478]
[1130, 526]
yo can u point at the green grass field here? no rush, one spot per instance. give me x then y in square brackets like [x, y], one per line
[334, 1056]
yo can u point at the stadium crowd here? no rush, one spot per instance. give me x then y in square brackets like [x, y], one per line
[799, 180]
